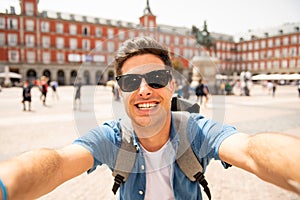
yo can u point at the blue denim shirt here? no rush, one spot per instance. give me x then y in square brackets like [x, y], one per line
[205, 135]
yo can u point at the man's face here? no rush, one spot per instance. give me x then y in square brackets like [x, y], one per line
[147, 106]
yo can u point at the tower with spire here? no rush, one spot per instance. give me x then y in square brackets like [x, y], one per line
[148, 19]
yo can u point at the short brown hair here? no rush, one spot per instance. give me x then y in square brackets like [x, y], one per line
[139, 46]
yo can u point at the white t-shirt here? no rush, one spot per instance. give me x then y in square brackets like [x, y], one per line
[158, 169]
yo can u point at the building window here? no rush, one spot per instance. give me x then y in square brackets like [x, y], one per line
[131, 34]
[46, 57]
[2, 23]
[2, 39]
[12, 24]
[13, 56]
[72, 29]
[99, 46]
[293, 51]
[12, 39]
[168, 40]
[30, 56]
[256, 45]
[45, 27]
[46, 41]
[60, 57]
[270, 43]
[110, 46]
[29, 40]
[85, 31]
[60, 43]
[263, 44]
[121, 35]
[277, 42]
[269, 64]
[59, 28]
[293, 39]
[176, 40]
[284, 63]
[98, 32]
[73, 43]
[86, 44]
[110, 33]
[277, 53]
[161, 39]
[29, 25]
[285, 41]
[29, 8]
[262, 65]
[292, 63]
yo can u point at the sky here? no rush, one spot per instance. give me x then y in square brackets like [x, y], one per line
[222, 16]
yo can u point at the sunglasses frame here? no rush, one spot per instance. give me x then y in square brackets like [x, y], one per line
[145, 76]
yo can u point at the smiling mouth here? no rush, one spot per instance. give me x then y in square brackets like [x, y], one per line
[146, 106]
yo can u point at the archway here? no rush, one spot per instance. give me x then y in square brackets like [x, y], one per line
[61, 77]
[86, 77]
[99, 78]
[31, 75]
[73, 76]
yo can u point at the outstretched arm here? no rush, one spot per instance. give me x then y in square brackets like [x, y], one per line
[38, 172]
[273, 157]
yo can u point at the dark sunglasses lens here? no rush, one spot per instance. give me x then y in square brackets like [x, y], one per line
[129, 82]
[158, 79]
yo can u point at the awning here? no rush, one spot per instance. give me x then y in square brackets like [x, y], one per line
[10, 75]
[276, 77]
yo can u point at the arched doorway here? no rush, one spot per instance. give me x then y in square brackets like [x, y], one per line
[73, 76]
[111, 75]
[31, 75]
[48, 74]
[86, 77]
[99, 78]
[61, 77]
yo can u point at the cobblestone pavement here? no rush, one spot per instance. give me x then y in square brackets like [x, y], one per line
[57, 124]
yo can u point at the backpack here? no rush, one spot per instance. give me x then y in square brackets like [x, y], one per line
[199, 90]
[185, 157]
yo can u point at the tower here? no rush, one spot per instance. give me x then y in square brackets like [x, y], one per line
[148, 19]
[29, 7]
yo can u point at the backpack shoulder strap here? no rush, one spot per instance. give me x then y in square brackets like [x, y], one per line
[125, 159]
[186, 158]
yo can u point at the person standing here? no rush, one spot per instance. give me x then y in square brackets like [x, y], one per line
[44, 89]
[299, 89]
[186, 90]
[77, 98]
[26, 94]
[54, 86]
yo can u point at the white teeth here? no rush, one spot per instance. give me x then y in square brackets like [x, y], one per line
[146, 105]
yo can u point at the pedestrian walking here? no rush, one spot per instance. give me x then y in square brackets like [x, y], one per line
[299, 90]
[274, 85]
[77, 98]
[186, 90]
[44, 89]
[201, 92]
[154, 137]
[26, 94]
[54, 86]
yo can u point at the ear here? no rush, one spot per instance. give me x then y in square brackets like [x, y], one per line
[172, 86]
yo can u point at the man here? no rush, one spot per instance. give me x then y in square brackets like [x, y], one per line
[143, 69]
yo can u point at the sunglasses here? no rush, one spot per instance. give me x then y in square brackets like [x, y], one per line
[155, 79]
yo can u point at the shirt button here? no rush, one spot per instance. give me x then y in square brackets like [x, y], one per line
[142, 167]
[141, 192]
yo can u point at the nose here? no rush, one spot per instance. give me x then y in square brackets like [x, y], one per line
[144, 89]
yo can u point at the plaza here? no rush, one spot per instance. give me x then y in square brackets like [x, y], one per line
[57, 124]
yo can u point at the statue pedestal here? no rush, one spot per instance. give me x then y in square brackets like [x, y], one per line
[205, 68]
